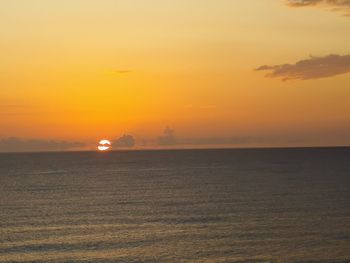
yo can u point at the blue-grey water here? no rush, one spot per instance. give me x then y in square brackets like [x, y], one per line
[253, 205]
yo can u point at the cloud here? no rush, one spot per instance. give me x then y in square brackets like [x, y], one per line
[34, 145]
[235, 140]
[333, 5]
[118, 72]
[126, 141]
[312, 68]
[168, 137]
[122, 71]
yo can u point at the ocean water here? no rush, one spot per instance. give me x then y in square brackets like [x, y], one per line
[253, 205]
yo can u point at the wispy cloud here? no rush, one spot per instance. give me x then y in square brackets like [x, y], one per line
[122, 71]
[312, 68]
[333, 5]
[118, 72]
[35, 145]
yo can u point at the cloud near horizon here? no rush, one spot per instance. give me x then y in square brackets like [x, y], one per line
[36, 145]
[333, 5]
[167, 138]
[125, 141]
[312, 68]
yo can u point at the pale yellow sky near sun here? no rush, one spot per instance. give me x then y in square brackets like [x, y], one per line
[89, 69]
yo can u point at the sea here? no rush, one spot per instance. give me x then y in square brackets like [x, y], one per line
[219, 205]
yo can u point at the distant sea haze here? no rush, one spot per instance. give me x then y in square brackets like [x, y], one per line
[247, 205]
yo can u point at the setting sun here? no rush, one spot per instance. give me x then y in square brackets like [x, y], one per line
[104, 145]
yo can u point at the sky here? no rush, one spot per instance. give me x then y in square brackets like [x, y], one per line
[164, 73]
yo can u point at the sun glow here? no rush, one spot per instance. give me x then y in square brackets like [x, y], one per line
[104, 145]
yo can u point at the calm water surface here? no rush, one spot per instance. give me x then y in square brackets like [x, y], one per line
[268, 205]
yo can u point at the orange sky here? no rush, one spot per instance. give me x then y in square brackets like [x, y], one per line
[84, 70]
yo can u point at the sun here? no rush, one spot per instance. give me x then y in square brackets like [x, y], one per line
[104, 145]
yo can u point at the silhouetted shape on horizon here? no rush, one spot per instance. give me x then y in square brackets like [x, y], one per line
[125, 141]
[168, 137]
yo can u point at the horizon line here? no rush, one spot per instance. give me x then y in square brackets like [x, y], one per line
[182, 149]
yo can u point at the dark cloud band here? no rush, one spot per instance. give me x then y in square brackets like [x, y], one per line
[20, 145]
[312, 68]
[334, 5]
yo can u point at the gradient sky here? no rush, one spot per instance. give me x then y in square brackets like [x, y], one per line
[83, 70]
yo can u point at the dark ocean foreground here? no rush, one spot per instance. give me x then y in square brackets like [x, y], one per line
[257, 205]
